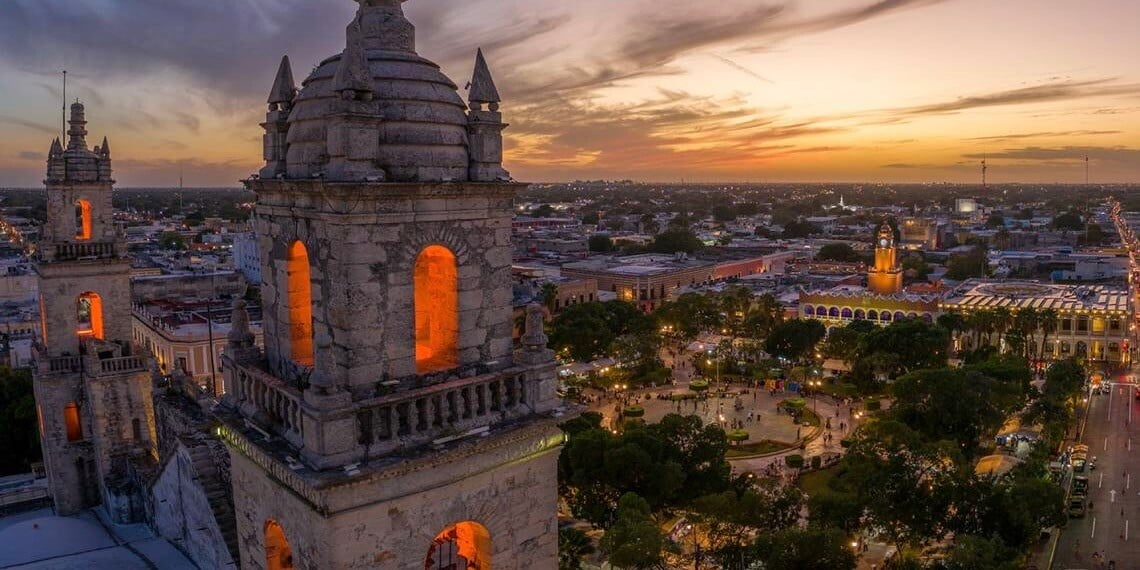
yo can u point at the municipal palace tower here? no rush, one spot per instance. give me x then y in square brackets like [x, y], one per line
[92, 385]
[389, 422]
[886, 277]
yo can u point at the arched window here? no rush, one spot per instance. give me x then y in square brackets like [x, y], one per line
[860, 314]
[833, 312]
[278, 553]
[885, 316]
[300, 299]
[821, 311]
[82, 219]
[808, 310]
[436, 278]
[89, 315]
[899, 316]
[872, 315]
[462, 546]
[71, 421]
[846, 313]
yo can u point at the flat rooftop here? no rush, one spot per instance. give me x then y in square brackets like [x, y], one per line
[986, 294]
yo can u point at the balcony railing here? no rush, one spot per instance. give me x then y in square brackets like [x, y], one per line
[77, 251]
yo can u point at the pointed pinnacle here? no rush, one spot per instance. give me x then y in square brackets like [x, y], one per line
[284, 88]
[105, 148]
[56, 148]
[483, 88]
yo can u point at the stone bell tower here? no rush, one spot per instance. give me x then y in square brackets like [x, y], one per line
[92, 387]
[389, 422]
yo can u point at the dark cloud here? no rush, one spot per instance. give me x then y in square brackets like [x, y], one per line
[1045, 93]
[31, 155]
[1118, 154]
[33, 125]
[1044, 134]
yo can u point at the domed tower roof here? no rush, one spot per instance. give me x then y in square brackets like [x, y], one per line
[378, 111]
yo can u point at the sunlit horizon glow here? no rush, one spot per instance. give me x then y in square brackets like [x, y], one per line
[651, 90]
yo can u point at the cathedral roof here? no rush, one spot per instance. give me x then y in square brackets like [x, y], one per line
[382, 86]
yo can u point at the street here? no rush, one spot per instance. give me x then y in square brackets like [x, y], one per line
[1109, 528]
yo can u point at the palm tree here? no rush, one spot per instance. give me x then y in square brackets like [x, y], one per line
[954, 323]
[1047, 318]
[549, 295]
[1026, 321]
[1003, 319]
[573, 544]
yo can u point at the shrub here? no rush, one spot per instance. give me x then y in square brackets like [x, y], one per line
[794, 461]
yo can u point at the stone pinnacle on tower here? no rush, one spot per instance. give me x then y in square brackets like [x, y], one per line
[77, 133]
[105, 148]
[482, 86]
[56, 148]
[353, 79]
[284, 88]
[383, 26]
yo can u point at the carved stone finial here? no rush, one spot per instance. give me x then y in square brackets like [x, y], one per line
[284, 88]
[77, 131]
[483, 88]
[382, 26]
[56, 148]
[105, 148]
[534, 336]
[240, 335]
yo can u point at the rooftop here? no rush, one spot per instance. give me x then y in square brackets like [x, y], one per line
[1014, 295]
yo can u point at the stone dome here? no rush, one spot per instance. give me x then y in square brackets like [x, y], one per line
[378, 111]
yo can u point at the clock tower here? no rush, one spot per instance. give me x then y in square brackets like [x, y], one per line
[885, 277]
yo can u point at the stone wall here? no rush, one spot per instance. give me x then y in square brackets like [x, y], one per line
[61, 284]
[363, 242]
[70, 466]
[510, 490]
[182, 511]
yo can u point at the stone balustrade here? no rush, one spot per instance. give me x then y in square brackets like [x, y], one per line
[121, 365]
[77, 250]
[269, 396]
[442, 411]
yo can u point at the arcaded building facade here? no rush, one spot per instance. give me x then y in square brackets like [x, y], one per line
[389, 421]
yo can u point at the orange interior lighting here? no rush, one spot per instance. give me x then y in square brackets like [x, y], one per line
[82, 220]
[300, 299]
[90, 312]
[470, 541]
[278, 553]
[436, 277]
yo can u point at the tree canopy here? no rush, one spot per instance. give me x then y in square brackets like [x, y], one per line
[588, 330]
[838, 251]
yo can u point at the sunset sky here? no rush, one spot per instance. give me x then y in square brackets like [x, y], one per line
[656, 90]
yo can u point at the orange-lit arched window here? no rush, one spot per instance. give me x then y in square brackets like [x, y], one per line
[89, 311]
[300, 299]
[462, 546]
[278, 553]
[71, 421]
[436, 279]
[82, 219]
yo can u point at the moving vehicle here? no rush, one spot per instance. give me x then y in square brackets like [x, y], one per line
[1077, 507]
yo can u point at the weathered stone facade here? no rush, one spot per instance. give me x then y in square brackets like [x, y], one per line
[388, 404]
[92, 386]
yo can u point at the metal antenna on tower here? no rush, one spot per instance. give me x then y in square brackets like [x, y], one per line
[1086, 170]
[63, 111]
[984, 168]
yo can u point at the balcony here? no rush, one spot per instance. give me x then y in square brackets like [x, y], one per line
[77, 251]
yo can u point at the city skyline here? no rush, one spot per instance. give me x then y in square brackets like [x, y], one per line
[886, 91]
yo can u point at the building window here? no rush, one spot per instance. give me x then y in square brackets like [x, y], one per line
[463, 546]
[1082, 324]
[82, 220]
[436, 285]
[72, 422]
[1066, 324]
[300, 299]
[1114, 325]
[89, 313]
[136, 429]
[1065, 347]
[1098, 325]
[278, 553]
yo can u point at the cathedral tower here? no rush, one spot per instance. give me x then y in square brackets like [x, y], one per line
[885, 278]
[389, 422]
[92, 387]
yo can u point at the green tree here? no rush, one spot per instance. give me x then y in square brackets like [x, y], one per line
[1070, 220]
[691, 314]
[843, 343]
[799, 229]
[19, 435]
[724, 212]
[1094, 234]
[978, 553]
[573, 544]
[838, 251]
[803, 549]
[635, 541]
[675, 240]
[172, 240]
[995, 220]
[601, 243]
[916, 343]
[588, 330]
[966, 265]
[543, 211]
[795, 339]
